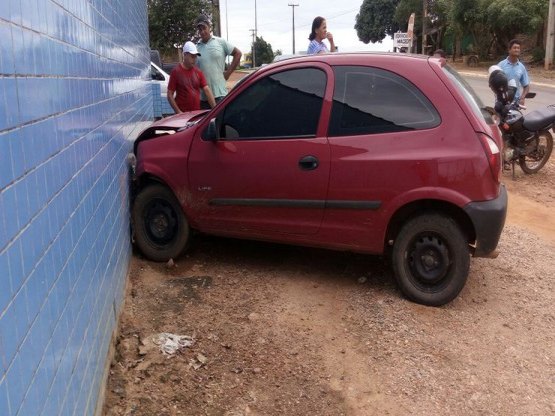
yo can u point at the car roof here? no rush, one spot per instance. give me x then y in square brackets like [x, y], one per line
[353, 58]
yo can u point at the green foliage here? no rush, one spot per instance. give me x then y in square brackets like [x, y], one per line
[376, 20]
[263, 52]
[538, 55]
[173, 22]
[509, 18]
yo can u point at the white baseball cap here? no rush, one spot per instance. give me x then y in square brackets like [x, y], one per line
[191, 48]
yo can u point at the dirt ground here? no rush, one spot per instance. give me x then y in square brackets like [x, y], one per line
[282, 330]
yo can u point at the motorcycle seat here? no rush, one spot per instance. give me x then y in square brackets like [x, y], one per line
[539, 119]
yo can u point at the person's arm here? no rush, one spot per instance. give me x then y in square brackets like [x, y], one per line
[209, 96]
[172, 102]
[332, 44]
[525, 91]
[524, 80]
[236, 53]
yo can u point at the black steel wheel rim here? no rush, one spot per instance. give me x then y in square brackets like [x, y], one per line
[428, 260]
[160, 221]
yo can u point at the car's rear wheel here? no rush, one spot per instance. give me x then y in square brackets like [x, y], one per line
[160, 227]
[431, 259]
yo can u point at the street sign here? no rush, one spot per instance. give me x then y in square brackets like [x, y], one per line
[401, 40]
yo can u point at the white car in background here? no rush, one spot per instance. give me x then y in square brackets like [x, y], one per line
[161, 77]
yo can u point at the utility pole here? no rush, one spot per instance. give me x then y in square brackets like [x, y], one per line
[217, 25]
[293, 8]
[255, 23]
[424, 15]
[253, 56]
[549, 42]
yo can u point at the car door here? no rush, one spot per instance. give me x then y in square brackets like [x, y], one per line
[268, 172]
[382, 134]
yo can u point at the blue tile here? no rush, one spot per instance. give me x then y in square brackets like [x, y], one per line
[3, 120]
[16, 384]
[27, 55]
[10, 96]
[22, 198]
[21, 317]
[33, 194]
[7, 65]
[9, 212]
[5, 10]
[32, 403]
[17, 153]
[18, 46]
[6, 170]
[31, 351]
[5, 289]
[15, 11]
[36, 291]
[31, 104]
[8, 334]
[4, 401]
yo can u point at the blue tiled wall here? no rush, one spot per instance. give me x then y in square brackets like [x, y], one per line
[160, 103]
[74, 93]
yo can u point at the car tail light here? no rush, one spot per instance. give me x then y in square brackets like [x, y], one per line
[493, 154]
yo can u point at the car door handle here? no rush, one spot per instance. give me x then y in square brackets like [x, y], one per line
[308, 163]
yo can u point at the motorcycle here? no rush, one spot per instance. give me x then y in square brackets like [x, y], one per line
[526, 137]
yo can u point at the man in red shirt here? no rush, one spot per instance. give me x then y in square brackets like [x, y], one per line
[186, 81]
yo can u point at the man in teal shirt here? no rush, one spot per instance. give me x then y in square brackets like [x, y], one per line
[213, 52]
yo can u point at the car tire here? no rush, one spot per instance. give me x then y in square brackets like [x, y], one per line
[431, 259]
[160, 227]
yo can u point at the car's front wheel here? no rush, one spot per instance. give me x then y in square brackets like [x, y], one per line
[431, 259]
[159, 224]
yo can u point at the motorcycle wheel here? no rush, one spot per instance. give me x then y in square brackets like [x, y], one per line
[538, 152]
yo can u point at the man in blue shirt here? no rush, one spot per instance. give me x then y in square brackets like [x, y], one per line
[514, 69]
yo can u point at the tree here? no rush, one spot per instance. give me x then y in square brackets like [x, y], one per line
[263, 52]
[376, 20]
[173, 22]
[509, 18]
[402, 14]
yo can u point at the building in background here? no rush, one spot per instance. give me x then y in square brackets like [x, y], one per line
[74, 92]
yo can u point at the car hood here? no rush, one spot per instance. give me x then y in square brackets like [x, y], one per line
[170, 125]
[180, 120]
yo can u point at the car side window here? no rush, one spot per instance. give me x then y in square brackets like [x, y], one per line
[280, 105]
[369, 100]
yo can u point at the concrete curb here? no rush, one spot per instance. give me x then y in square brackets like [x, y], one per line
[481, 75]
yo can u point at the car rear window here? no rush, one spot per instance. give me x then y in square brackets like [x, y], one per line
[468, 93]
[369, 100]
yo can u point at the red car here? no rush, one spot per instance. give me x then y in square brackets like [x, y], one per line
[373, 153]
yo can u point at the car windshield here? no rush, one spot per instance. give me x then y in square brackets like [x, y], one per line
[468, 93]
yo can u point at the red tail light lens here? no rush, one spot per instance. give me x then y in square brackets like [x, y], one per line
[493, 154]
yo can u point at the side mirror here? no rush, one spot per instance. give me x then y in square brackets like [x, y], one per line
[530, 95]
[210, 134]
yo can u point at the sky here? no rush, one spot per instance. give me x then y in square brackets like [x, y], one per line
[274, 24]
